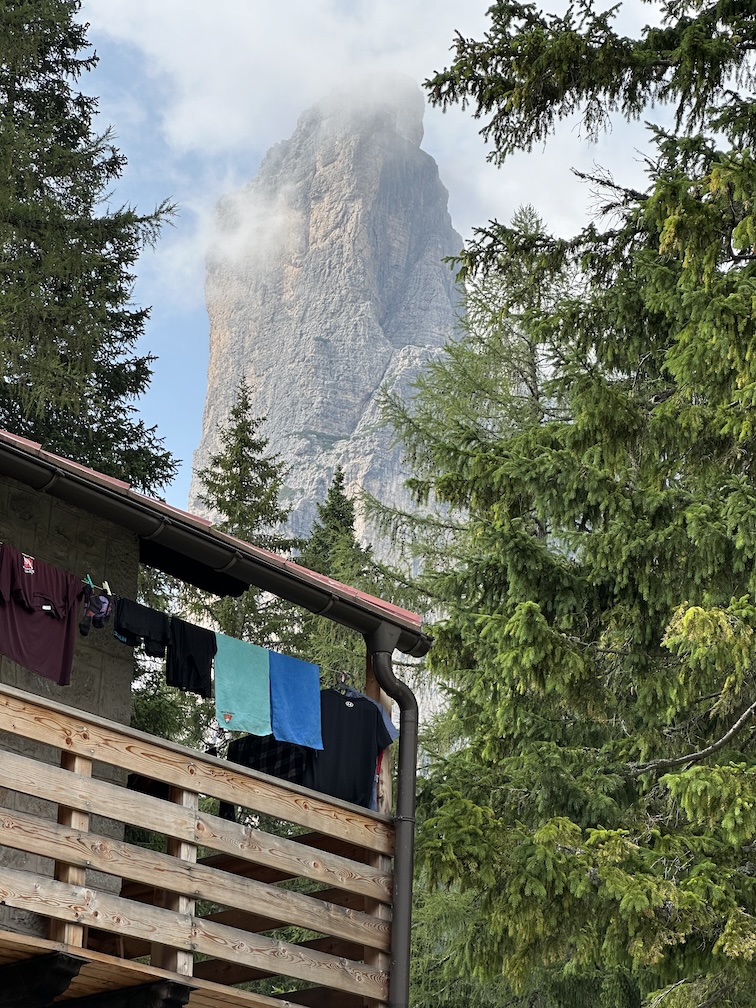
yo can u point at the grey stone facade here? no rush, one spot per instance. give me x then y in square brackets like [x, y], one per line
[67, 537]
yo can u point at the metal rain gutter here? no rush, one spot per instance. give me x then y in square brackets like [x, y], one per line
[171, 539]
[380, 645]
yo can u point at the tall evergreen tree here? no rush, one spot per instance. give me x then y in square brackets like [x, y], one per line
[241, 487]
[68, 328]
[598, 641]
[333, 549]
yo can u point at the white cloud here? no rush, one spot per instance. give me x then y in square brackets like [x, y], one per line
[198, 92]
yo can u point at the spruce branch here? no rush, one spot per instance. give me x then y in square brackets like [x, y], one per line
[667, 764]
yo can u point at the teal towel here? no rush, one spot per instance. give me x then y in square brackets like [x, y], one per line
[295, 700]
[242, 686]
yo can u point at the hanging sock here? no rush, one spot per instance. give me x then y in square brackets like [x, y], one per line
[85, 625]
[102, 608]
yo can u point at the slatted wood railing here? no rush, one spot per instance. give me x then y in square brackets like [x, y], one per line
[204, 908]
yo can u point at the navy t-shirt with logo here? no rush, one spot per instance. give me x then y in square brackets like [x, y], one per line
[353, 735]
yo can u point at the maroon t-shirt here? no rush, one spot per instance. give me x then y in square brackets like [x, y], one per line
[38, 614]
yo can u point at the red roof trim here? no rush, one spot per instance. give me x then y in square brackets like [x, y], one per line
[202, 525]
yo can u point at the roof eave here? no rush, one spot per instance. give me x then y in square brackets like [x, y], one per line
[177, 542]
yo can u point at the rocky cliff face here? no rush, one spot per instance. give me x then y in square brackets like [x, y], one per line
[325, 281]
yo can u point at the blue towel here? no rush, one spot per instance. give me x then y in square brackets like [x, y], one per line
[295, 700]
[242, 686]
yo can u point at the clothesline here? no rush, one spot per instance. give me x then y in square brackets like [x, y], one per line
[104, 587]
[342, 733]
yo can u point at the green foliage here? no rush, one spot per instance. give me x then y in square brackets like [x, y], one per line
[68, 328]
[584, 460]
[333, 549]
[242, 484]
[241, 487]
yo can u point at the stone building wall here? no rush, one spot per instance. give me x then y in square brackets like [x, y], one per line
[59, 534]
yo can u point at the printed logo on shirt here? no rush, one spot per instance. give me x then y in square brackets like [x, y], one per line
[227, 716]
[348, 703]
[28, 564]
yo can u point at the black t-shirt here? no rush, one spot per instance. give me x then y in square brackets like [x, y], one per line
[353, 735]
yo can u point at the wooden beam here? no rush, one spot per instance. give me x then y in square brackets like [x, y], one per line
[87, 735]
[71, 934]
[35, 982]
[176, 960]
[232, 973]
[380, 960]
[321, 997]
[39, 836]
[243, 851]
[103, 972]
[111, 913]
[163, 994]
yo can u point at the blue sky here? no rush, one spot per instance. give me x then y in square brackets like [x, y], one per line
[196, 93]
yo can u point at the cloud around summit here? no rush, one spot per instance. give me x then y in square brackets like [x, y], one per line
[197, 93]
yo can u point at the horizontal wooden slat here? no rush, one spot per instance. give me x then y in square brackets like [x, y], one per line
[292, 857]
[71, 731]
[232, 973]
[39, 836]
[320, 997]
[238, 843]
[103, 973]
[70, 903]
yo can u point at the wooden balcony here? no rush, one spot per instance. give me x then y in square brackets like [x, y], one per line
[225, 914]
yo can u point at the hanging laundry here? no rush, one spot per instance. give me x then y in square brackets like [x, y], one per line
[242, 686]
[390, 726]
[295, 700]
[136, 624]
[97, 608]
[39, 604]
[189, 660]
[266, 754]
[353, 734]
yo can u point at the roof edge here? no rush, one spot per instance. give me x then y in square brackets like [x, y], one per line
[181, 541]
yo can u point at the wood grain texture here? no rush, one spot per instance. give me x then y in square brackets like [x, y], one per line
[105, 973]
[237, 844]
[86, 735]
[197, 881]
[111, 913]
[162, 955]
[71, 934]
[346, 852]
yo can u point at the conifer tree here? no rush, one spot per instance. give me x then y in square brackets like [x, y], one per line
[241, 487]
[68, 328]
[334, 550]
[598, 639]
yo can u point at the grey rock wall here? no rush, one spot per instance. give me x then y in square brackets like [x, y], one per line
[325, 280]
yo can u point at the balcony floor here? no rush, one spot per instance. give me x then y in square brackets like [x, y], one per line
[105, 974]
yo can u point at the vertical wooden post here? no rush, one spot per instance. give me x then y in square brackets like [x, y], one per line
[374, 691]
[64, 931]
[177, 960]
[374, 957]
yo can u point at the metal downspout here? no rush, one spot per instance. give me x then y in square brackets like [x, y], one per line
[381, 645]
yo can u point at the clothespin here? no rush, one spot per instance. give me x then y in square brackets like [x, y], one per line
[106, 588]
[88, 581]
